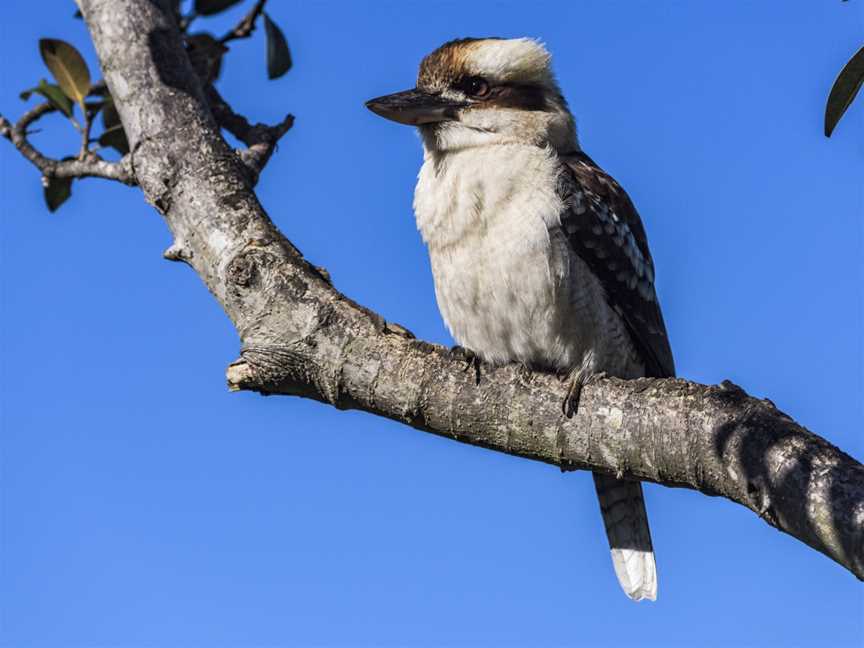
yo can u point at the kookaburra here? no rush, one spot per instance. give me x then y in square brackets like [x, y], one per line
[538, 255]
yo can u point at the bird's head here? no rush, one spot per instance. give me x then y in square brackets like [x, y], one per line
[484, 91]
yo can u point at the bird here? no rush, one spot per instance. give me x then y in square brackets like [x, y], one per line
[538, 256]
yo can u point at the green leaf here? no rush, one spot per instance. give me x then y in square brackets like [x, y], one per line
[278, 54]
[53, 94]
[843, 91]
[210, 7]
[68, 67]
[110, 118]
[56, 192]
[116, 139]
[113, 135]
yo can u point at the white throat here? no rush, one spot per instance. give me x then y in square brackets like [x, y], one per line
[494, 126]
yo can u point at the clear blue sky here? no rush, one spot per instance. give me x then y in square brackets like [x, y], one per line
[143, 505]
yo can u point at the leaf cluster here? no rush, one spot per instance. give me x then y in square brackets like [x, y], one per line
[74, 94]
[211, 49]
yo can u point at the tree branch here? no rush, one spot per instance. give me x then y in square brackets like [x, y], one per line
[302, 337]
[89, 165]
[260, 139]
[246, 27]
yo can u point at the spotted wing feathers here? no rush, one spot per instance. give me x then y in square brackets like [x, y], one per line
[604, 229]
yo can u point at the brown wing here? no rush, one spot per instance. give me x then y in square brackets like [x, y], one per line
[605, 230]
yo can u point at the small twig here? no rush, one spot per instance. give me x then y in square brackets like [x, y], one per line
[85, 135]
[186, 20]
[258, 154]
[88, 166]
[260, 139]
[36, 113]
[245, 27]
[225, 116]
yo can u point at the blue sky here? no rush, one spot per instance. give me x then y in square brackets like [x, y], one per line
[143, 505]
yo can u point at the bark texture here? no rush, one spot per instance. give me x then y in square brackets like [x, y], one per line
[302, 337]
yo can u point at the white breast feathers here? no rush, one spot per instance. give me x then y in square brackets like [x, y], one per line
[508, 284]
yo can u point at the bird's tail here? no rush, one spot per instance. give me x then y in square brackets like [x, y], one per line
[626, 521]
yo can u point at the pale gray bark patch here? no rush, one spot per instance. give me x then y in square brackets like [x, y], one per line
[302, 337]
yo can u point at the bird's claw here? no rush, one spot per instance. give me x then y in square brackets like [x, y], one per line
[471, 360]
[594, 377]
[570, 405]
[578, 380]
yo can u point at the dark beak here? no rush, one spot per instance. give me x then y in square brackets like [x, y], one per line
[415, 107]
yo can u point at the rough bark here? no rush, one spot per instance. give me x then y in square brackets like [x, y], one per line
[300, 336]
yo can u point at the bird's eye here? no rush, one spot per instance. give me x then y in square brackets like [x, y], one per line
[476, 87]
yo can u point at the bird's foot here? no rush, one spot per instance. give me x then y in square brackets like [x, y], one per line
[524, 372]
[577, 380]
[471, 360]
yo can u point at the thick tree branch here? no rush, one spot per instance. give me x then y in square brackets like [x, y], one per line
[302, 337]
[89, 165]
